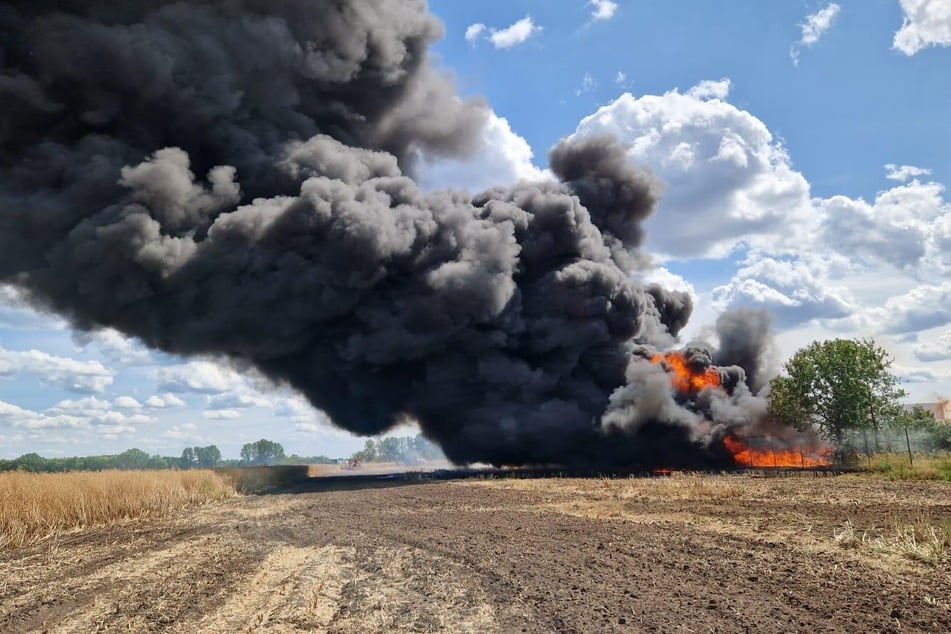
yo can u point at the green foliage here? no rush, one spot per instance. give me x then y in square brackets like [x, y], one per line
[398, 449]
[837, 386]
[192, 457]
[368, 453]
[936, 434]
[262, 452]
[209, 456]
[130, 459]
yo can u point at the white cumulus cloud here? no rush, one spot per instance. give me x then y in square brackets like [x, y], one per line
[711, 89]
[503, 158]
[221, 414]
[794, 289]
[88, 414]
[904, 173]
[204, 377]
[510, 36]
[514, 34]
[666, 279]
[602, 9]
[814, 28]
[905, 227]
[926, 23]
[729, 181]
[114, 345]
[939, 350]
[164, 401]
[923, 307]
[825, 267]
[127, 402]
[238, 399]
[474, 31]
[186, 432]
[70, 374]
[16, 313]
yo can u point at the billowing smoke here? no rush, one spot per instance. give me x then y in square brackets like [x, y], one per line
[745, 337]
[232, 178]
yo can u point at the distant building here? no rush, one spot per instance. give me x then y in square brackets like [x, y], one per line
[941, 410]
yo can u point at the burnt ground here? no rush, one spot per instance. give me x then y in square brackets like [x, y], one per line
[687, 554]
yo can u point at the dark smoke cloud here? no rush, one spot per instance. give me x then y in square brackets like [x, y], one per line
[746, 340]
[230, 179]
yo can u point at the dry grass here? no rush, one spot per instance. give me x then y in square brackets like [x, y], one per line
[923, 540]
[257, 479]
[34, 506]
[679, 485]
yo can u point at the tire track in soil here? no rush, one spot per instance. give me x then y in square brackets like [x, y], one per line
[294, 589]
[577, 574]
[179, 588]
[455, 557]
[49, 599]
[51, 585]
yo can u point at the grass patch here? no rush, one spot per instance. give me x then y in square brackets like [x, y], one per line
[34, 506]
[923, 540]
[895, 466]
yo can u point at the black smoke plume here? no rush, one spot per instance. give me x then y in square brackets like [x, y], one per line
[230, 178]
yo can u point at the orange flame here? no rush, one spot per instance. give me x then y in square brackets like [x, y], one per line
[684, 377]
[744, 455]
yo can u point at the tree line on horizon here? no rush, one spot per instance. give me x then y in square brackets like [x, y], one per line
[263, 452]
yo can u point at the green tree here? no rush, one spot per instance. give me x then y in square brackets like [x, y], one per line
[187, 461]
[162, 462]
[262, 452]
[369, 453]
[210, 456]
[132, 459]
[936, 436]
[31, 462]
[389, 449]
[836, 387]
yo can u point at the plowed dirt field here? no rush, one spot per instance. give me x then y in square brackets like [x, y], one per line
[679, 554]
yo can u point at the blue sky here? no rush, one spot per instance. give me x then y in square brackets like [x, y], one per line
[853, 104]
[804, 147]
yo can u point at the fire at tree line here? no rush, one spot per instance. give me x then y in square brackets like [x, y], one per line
[842, 390]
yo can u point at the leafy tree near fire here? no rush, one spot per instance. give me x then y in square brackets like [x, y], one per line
[936, 435]
[837, 386]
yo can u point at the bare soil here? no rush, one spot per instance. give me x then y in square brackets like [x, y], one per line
[697, 554]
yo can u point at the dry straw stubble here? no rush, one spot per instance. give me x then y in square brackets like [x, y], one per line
[34, 506]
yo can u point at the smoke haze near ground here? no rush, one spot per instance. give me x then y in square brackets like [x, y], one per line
[234, 179]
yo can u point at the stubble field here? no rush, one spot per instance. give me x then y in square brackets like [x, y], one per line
[687, 553]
